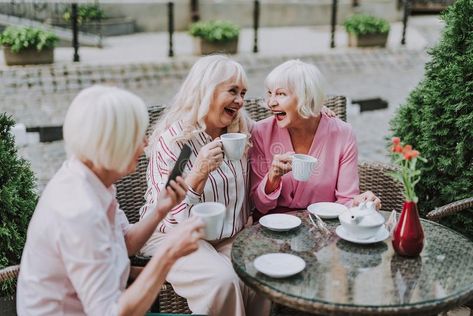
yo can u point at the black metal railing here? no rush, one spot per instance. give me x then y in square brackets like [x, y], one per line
[42, 11]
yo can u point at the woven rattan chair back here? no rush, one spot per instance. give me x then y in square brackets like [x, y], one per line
[131, 189]
[257, 109]
[375, 177]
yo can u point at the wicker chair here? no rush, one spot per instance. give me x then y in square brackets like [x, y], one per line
[450, 209]
[9, 273]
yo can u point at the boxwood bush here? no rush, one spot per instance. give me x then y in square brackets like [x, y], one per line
[362, 24]
[21, 38]
[215, 31]
[438, 118]
[18, 199]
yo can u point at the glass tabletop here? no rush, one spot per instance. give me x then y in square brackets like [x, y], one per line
[343, 277]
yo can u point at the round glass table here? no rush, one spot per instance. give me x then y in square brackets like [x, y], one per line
[343, 278]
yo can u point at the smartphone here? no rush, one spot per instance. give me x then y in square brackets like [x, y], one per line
[180, 164]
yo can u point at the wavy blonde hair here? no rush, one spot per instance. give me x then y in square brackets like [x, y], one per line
[192, 102]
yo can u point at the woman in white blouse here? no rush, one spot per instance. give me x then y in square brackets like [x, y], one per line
[208, 104]
[75, 260]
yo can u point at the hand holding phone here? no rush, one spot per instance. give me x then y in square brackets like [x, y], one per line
[180, 164]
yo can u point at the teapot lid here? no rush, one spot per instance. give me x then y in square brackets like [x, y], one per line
[365, 214]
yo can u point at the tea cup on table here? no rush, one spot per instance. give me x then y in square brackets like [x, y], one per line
[234, 145]
[212, 214]
[303, 166]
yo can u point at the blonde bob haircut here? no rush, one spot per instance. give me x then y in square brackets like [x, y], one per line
[192, 102]
[302, 79]
[105, 125]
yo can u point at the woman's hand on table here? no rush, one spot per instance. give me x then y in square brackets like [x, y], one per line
[183, 239]
[171, 196]
[280, 165]
[367, 197]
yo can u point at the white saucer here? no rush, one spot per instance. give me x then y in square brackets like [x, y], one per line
[280, 222]
[279, 265]
[327, 210]
[381, 235]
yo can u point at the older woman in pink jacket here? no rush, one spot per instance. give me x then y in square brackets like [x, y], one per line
[295, 96]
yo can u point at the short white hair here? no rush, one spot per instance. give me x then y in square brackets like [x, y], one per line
[302, 79]
[105, 125]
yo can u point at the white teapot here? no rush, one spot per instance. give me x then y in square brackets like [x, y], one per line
[363, 221]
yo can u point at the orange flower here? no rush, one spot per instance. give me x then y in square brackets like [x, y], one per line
[397, 148]
[406, 158]
[406, 149]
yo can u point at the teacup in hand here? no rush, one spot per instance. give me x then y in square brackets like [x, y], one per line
[212, 214]
[233, 145]
[303, 166]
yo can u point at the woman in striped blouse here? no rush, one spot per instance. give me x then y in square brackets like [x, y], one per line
[208, 104]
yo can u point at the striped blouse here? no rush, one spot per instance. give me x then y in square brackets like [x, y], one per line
[227, 185]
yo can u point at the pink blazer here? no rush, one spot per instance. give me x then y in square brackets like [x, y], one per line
[334, 180]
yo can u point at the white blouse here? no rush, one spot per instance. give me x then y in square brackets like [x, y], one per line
[227, 184]
[75, 259]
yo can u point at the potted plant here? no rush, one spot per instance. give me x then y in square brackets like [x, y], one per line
[86, 13]
[366, 30]
[18, 199]
[93, 19]
[28, 45]
[215, 37]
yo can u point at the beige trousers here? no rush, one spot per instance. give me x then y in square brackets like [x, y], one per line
[207, 280]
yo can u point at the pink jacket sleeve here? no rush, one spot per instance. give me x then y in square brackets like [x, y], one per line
[260, 164]
[348, 179]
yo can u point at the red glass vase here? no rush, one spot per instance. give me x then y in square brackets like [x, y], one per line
[408, 237]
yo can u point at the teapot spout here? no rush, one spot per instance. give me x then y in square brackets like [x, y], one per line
[356, 218]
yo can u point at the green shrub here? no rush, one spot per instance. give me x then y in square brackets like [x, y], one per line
[361, 24]
[86, 13]
[21, 38]
[438, 119]
[215, 31]
[17, 201]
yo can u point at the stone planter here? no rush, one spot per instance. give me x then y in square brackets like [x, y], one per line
[7, 306]
[29, 56]
[367, 40]
[204, 47]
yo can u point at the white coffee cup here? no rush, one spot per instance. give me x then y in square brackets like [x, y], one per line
[212, 214]
[303, 166]
[233, 145]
